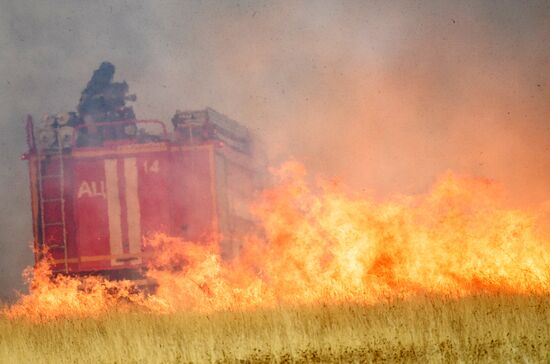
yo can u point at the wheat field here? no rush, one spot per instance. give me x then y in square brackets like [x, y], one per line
[472, 329]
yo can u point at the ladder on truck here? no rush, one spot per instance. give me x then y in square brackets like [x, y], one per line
[52, 155]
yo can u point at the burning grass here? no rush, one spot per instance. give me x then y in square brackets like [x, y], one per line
[325, 245]
[452, 275]
[498, 328]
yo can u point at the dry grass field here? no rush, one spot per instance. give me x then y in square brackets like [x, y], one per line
[472, 329]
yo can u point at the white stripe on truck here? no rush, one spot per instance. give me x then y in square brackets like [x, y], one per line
[132, 206]
[113, 209]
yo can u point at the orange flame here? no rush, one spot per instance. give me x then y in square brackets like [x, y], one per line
[58, 296]
[324, 244]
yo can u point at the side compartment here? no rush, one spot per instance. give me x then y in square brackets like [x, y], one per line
[193, 201]
[97, 212]
[237, 183]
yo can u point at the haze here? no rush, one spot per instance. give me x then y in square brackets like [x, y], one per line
[386, 97]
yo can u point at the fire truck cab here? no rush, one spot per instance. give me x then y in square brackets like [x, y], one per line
[98, 189]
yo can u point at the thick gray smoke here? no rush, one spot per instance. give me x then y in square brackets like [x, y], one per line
[386, 95]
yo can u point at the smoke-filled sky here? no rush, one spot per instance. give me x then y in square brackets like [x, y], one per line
[386, 95]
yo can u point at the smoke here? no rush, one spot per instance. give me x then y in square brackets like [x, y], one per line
[387, 96]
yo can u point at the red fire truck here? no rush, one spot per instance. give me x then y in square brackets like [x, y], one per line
[98, 189]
